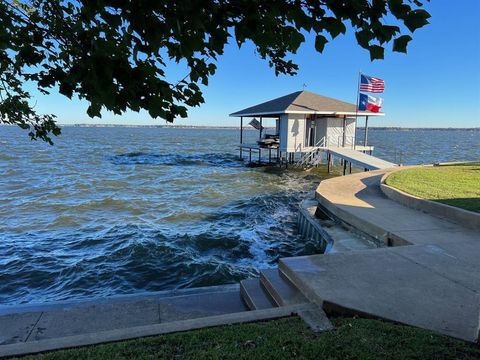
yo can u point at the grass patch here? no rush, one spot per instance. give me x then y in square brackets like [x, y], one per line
[457, 184]
[286, 338]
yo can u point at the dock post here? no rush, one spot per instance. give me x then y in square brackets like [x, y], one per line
[365, 135]
[350, 167]
[261, 128]
[250, 156]
[344, 167]
[241, 137]
[259, 155]
[328, 162]
[269, 155]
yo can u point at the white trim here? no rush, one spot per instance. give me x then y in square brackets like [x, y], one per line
[274, 113]
[347, 113]
[331, 113]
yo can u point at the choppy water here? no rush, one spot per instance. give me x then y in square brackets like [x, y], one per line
[119, 210]
[422, 146]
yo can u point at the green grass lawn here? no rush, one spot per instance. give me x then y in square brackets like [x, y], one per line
[456, 184]
[287, 338]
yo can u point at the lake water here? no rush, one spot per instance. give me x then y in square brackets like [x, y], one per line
[110, 211]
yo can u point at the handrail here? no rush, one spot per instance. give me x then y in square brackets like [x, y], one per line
[310, 155]
[320, 143]
[342, 144]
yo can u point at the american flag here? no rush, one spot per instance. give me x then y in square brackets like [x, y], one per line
[371, 84]
[256, 124]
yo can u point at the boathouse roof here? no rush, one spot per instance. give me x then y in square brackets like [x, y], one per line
[303, 102]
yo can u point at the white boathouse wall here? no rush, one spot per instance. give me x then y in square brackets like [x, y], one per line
[293, 131]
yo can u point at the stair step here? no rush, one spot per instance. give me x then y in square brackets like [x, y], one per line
[280, 289]
[254, 295]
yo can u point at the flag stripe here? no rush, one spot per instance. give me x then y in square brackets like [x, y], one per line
[371, 84]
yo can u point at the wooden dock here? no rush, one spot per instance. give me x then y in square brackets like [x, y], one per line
[312, 156]
[273, 153]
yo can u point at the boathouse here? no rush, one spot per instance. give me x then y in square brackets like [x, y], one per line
[305, 122]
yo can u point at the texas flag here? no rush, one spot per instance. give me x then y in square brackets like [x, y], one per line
[370, 103]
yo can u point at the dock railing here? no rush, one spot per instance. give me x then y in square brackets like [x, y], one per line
[311, 157]
[349, 141]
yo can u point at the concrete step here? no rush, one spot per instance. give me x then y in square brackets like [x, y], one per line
[280, 289]
[254, 295]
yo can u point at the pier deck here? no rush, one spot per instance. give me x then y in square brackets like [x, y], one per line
[272, 151]
[359, 158]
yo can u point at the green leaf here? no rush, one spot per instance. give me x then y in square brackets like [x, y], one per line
[416, 19]
[388, 32]
[363, 38]
[320, 42]
[334, 26]
[400, 43]
[182, 111]
[94, 110]
[399, 9]
[376, 52]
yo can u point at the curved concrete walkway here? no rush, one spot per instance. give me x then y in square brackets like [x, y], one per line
[357, 199]
[433, 282]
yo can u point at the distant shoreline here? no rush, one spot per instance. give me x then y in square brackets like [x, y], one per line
[247, 128]
[250, 128]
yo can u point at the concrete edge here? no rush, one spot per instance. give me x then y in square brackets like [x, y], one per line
[21, 308]
[316, 319]
[333, 309]
[311, 295]
[463, 217]
[149, 330]
[372, 230]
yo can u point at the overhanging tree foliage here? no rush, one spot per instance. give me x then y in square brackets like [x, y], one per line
[114, 53]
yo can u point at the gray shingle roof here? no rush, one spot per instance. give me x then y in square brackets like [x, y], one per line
[299, 101]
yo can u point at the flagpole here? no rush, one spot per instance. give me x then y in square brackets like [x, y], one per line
[356, 105]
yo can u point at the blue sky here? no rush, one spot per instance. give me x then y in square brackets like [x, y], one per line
[437, 84]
